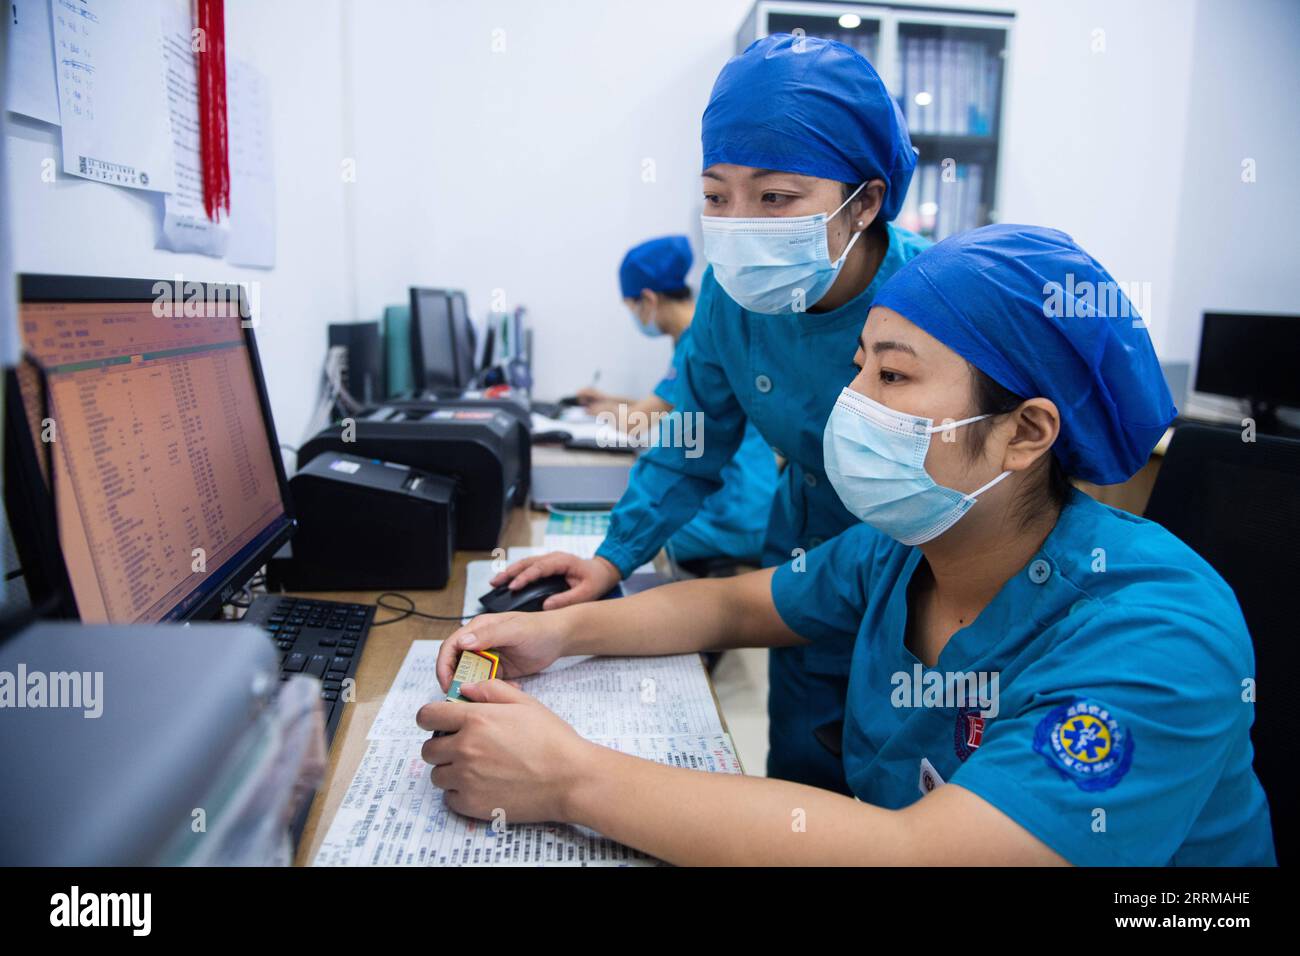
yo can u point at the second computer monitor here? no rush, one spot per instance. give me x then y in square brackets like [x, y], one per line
[442, 340]
[463, 330]
[433, 343]
[1250, 356]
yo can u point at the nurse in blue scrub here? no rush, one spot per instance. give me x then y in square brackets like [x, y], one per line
[806, 162]
[731, 521]
[1036, 677]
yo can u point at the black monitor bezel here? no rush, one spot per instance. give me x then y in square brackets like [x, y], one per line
[42, 549]
[1204, 384]
[419, 376]
[466, 359]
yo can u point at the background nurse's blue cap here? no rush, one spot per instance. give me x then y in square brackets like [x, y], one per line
[811, 106]
[1028, 307]
[659, 265]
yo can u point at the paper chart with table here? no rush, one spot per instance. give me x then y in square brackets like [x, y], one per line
[659, 708]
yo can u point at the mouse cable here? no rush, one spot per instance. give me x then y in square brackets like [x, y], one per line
[409, 611]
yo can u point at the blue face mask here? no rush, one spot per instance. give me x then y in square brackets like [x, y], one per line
[648, 329]
[875, 459]
[772, 264]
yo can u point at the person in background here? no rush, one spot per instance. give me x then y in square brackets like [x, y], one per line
[1089, 707]
[728, 529]
[806, 162]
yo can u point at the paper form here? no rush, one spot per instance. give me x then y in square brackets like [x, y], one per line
[393, 815]
[185, 225]
[599, 696]
[252, 177]
[112, 93]
[630, 696]
[657, 708]
[31, 87]
[589, 429]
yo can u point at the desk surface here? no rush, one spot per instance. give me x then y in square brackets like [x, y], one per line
[386, 648]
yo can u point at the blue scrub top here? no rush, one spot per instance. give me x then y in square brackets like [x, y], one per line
[1120, 735]
[731, 521]
[782, 374]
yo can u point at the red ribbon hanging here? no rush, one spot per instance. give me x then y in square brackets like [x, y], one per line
[214, 142]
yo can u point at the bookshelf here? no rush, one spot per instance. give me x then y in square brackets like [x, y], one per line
[947, 69]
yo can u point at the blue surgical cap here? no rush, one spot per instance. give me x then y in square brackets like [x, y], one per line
[1029, 308]
[659, 265]
[811, 106]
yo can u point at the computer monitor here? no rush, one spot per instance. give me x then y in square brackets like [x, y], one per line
[466, 343]
[434, 354]
[1251, 356]
[146, 405]
[363, 375]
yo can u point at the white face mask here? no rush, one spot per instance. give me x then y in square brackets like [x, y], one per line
[773, 264]
[875, 459]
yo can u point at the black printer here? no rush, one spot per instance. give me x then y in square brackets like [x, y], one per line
[483, 449]
[512, 403]
[368, 525]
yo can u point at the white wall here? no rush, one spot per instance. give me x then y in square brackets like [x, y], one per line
[1236, 247]
[521, 170]
[79, 227]
[1095, 139]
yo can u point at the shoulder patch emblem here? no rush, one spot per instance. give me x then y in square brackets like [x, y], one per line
[1084, 743]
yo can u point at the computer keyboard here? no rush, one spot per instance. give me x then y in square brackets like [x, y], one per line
[320, 638]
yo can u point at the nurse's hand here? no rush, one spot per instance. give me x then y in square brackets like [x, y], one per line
[589, 579]
[596, 402]
[506, 756]
[526, 643]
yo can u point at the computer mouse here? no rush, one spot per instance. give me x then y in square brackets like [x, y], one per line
[527, 598]
[570, 401]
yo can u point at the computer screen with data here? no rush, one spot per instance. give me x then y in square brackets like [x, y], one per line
[161, 448]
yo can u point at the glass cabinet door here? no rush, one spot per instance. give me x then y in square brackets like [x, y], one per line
[949, 81]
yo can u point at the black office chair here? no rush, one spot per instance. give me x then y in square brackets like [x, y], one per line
[1237, 505]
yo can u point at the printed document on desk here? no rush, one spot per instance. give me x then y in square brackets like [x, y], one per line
[578, 429]
[658, 708]
[598, 696]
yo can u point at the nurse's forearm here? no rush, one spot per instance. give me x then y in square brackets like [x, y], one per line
[708, 614]
[692, 818]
